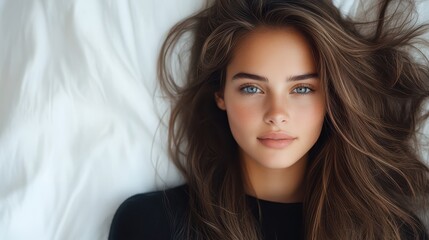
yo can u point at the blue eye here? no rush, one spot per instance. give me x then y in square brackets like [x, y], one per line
[302, 90]
[250, 90]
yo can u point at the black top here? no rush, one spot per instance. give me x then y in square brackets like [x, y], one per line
[154, 216]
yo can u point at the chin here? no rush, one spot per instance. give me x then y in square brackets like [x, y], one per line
[278, 163]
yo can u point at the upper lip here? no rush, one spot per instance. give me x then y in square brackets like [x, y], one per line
[276, 136]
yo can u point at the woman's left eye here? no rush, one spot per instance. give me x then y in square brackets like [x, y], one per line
[302, 90]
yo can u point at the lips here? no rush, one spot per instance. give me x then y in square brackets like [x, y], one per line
[277, 140]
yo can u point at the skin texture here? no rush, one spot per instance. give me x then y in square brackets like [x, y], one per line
[275, 106]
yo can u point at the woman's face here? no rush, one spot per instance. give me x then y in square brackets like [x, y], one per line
[273, 97]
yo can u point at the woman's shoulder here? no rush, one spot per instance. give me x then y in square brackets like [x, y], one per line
[149, 215]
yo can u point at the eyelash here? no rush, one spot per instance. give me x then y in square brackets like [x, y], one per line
[258, 90]
[308, 89]
[247, 86]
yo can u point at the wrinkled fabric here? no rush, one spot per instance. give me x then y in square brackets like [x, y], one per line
[80, 111]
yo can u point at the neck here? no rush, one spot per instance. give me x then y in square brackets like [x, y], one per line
[285, 185]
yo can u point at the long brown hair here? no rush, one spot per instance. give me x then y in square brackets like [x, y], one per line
[365, 178]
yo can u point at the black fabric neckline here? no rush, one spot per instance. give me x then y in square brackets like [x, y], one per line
[272, 203]
[277, 220]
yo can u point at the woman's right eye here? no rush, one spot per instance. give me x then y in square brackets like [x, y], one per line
[250, 90]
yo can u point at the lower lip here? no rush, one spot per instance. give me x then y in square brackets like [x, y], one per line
[277, 144]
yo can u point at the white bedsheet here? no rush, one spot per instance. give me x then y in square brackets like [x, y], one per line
[79, 111]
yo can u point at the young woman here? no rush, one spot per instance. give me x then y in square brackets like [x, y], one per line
[293, 123]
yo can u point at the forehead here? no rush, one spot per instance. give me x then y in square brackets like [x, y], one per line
[267, 48]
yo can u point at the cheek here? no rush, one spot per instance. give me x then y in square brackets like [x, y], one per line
[240, 110]
[240, 115]
[243, 118]
[310, 115]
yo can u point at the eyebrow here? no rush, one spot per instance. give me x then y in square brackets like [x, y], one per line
[265, 79]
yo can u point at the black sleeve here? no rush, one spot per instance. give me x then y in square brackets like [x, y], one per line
[140, 217]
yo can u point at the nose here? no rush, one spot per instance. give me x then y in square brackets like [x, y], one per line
[277, 111]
